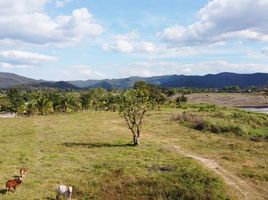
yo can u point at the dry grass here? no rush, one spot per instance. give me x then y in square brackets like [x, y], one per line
[229, 100]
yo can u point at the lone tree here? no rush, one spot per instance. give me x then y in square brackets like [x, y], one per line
[133, 106]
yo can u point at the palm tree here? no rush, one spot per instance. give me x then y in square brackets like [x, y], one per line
[68, 103]
[44, 104]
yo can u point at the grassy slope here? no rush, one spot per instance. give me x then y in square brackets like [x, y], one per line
[89, 151]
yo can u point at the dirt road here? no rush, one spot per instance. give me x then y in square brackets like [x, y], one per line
[243, 190]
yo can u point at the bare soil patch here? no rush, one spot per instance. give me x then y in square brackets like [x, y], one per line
[229, 100]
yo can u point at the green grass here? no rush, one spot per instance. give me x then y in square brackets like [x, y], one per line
[234, 153]
[91, 152]
[215, 119]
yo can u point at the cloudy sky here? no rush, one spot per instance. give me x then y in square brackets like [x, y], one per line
[96, 39]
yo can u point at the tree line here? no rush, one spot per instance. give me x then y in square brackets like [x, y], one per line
[132, 104]
[48, 101]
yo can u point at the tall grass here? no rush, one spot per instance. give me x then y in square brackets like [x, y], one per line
[214, 119]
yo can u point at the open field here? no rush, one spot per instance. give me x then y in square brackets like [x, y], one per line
[229, 99]
[91, 151]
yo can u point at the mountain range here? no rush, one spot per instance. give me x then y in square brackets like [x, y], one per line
[207, 81]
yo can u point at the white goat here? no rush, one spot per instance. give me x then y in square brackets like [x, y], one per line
[65, 191]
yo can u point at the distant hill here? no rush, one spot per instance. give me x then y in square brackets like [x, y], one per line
[219, 80]
[208, 81]
[109, 83]
[10, 80]
[58, 84]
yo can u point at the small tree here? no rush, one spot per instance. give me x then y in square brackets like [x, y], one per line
[16, 99]
[181, 99]
[133, 106]
[68, 103]
[41, 101]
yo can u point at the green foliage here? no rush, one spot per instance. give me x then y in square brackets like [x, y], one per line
[134, 104]
[99, 99]
[85, 100]
[39, 103]
[152, 91]
[256, 175]
[214, 119]
[181, 99]
[111, 102]
[170, 92]
[68, 103]
[16, 99]
[4, 102]
[234, 88]
[207, 108]
[170, 181]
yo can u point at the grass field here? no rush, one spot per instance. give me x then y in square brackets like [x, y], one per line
[91, 152]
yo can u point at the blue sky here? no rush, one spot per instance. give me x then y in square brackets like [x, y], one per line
[89, 39]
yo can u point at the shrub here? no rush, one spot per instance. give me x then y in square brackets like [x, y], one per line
[193, 120]
[181, 99]
[200, 123]
[207, 108]
[223, 127]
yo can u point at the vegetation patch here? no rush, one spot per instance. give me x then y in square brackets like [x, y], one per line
[254, 174]
[184, 180]
[214, 119]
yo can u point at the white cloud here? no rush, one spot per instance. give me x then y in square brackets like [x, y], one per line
[26, 21]
[88, 72]
[5, 65]
[22, 59]
[21, 7]
[25, 57]
[79, 72]
[130, 43]
[223, 20]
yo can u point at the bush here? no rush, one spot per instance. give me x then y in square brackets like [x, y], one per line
[200, 123]
[207, 108]
[181, 99]
[195, 121]
[224, 127]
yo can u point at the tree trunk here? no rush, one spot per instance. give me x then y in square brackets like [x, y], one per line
[136, 140]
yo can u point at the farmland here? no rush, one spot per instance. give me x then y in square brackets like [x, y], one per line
[92, 151]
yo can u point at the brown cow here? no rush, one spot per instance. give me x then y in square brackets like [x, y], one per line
[13, 184]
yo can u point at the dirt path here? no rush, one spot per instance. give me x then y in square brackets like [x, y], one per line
[243, 190]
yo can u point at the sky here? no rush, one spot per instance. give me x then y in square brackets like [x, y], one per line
[98, 39]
